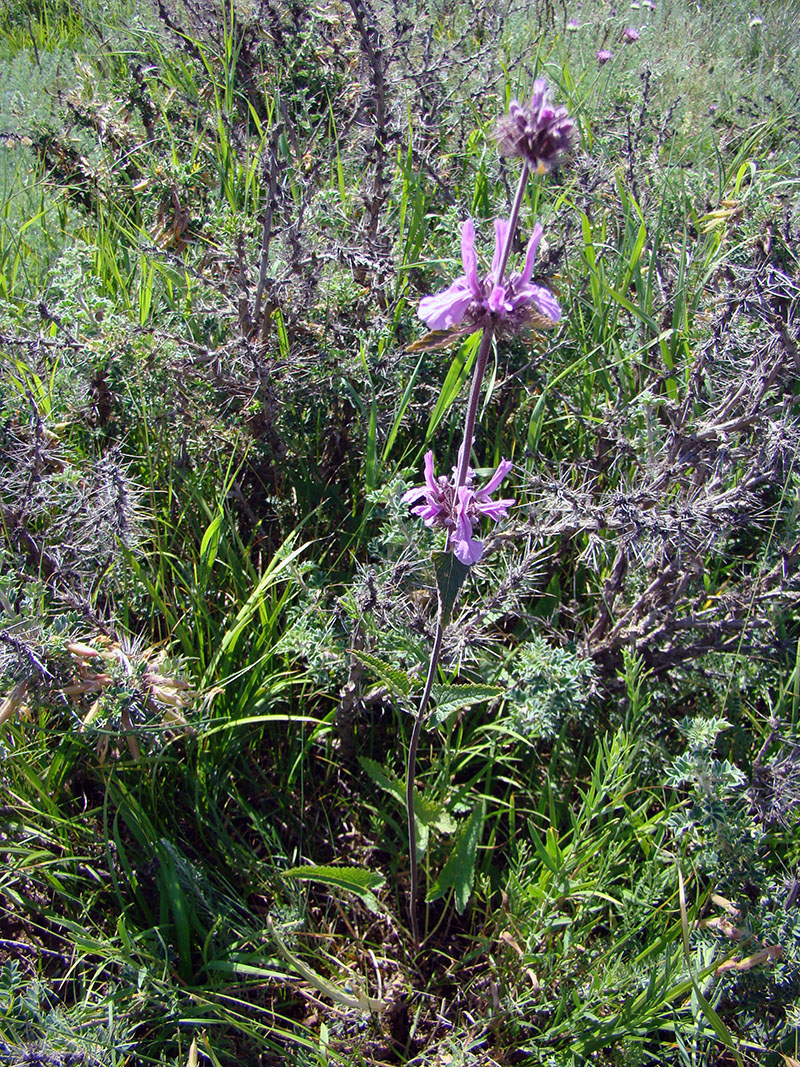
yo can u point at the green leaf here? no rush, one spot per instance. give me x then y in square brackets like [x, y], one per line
[546, 855]
[210, 543]
[458, 873]
[433, 814]
[717, 1025]
[455, 378]
[428, 812]
[387, 781]
[393, 678]
[450, 697]
[430, 815]
[405, 400]
[450, 575]
[354, 879]
[173, 898]
[281, 561]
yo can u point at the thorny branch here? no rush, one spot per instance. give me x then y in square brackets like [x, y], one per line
[713, 475]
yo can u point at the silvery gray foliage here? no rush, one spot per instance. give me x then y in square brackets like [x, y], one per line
[774, 791]
[66, 521]
[546, 686]
[27, 637]
[715, 821]
[39, 1030]
[707, 481]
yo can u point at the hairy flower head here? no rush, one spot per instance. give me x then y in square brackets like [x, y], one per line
[537, 132]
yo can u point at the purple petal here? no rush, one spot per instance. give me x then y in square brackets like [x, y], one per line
[430, 489]
[530, 254]
[503, 467]
[500, 231]
[460, 460]
[542, 298]
[546, 303]
[430, 477]
[497, 302]
[445, 309]
[430, 513]
[470, 473]
[468, 550]
[469, 258]
[494, 509]
[413, 494]
[465, 547]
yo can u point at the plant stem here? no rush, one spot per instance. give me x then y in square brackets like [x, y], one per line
[441, 622]
[410, 774]
[512, 221]
[472, 408]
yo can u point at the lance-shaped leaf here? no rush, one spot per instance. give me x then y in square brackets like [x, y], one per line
[354, 879]
[448, 698]
[430, 815]
[458, 873]
[450, 575]
[392, 677]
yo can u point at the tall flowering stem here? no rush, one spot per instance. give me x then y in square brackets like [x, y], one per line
[478, 373]
[538, 134]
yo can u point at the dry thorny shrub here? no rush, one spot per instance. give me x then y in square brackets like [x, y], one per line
[710, 486]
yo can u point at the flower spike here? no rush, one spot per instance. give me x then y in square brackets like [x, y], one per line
[459, 510]
[507, 305]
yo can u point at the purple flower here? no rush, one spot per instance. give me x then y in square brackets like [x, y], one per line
[573, 25]
[507, 305]
[630, 35]
[537, 132]
[459, 511]
[604, 55]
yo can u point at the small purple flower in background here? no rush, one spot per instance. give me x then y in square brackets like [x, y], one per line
[630, 35]
[470, 303]
[604, 55]
[537, 132]
[573, 25]
[459, 512]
